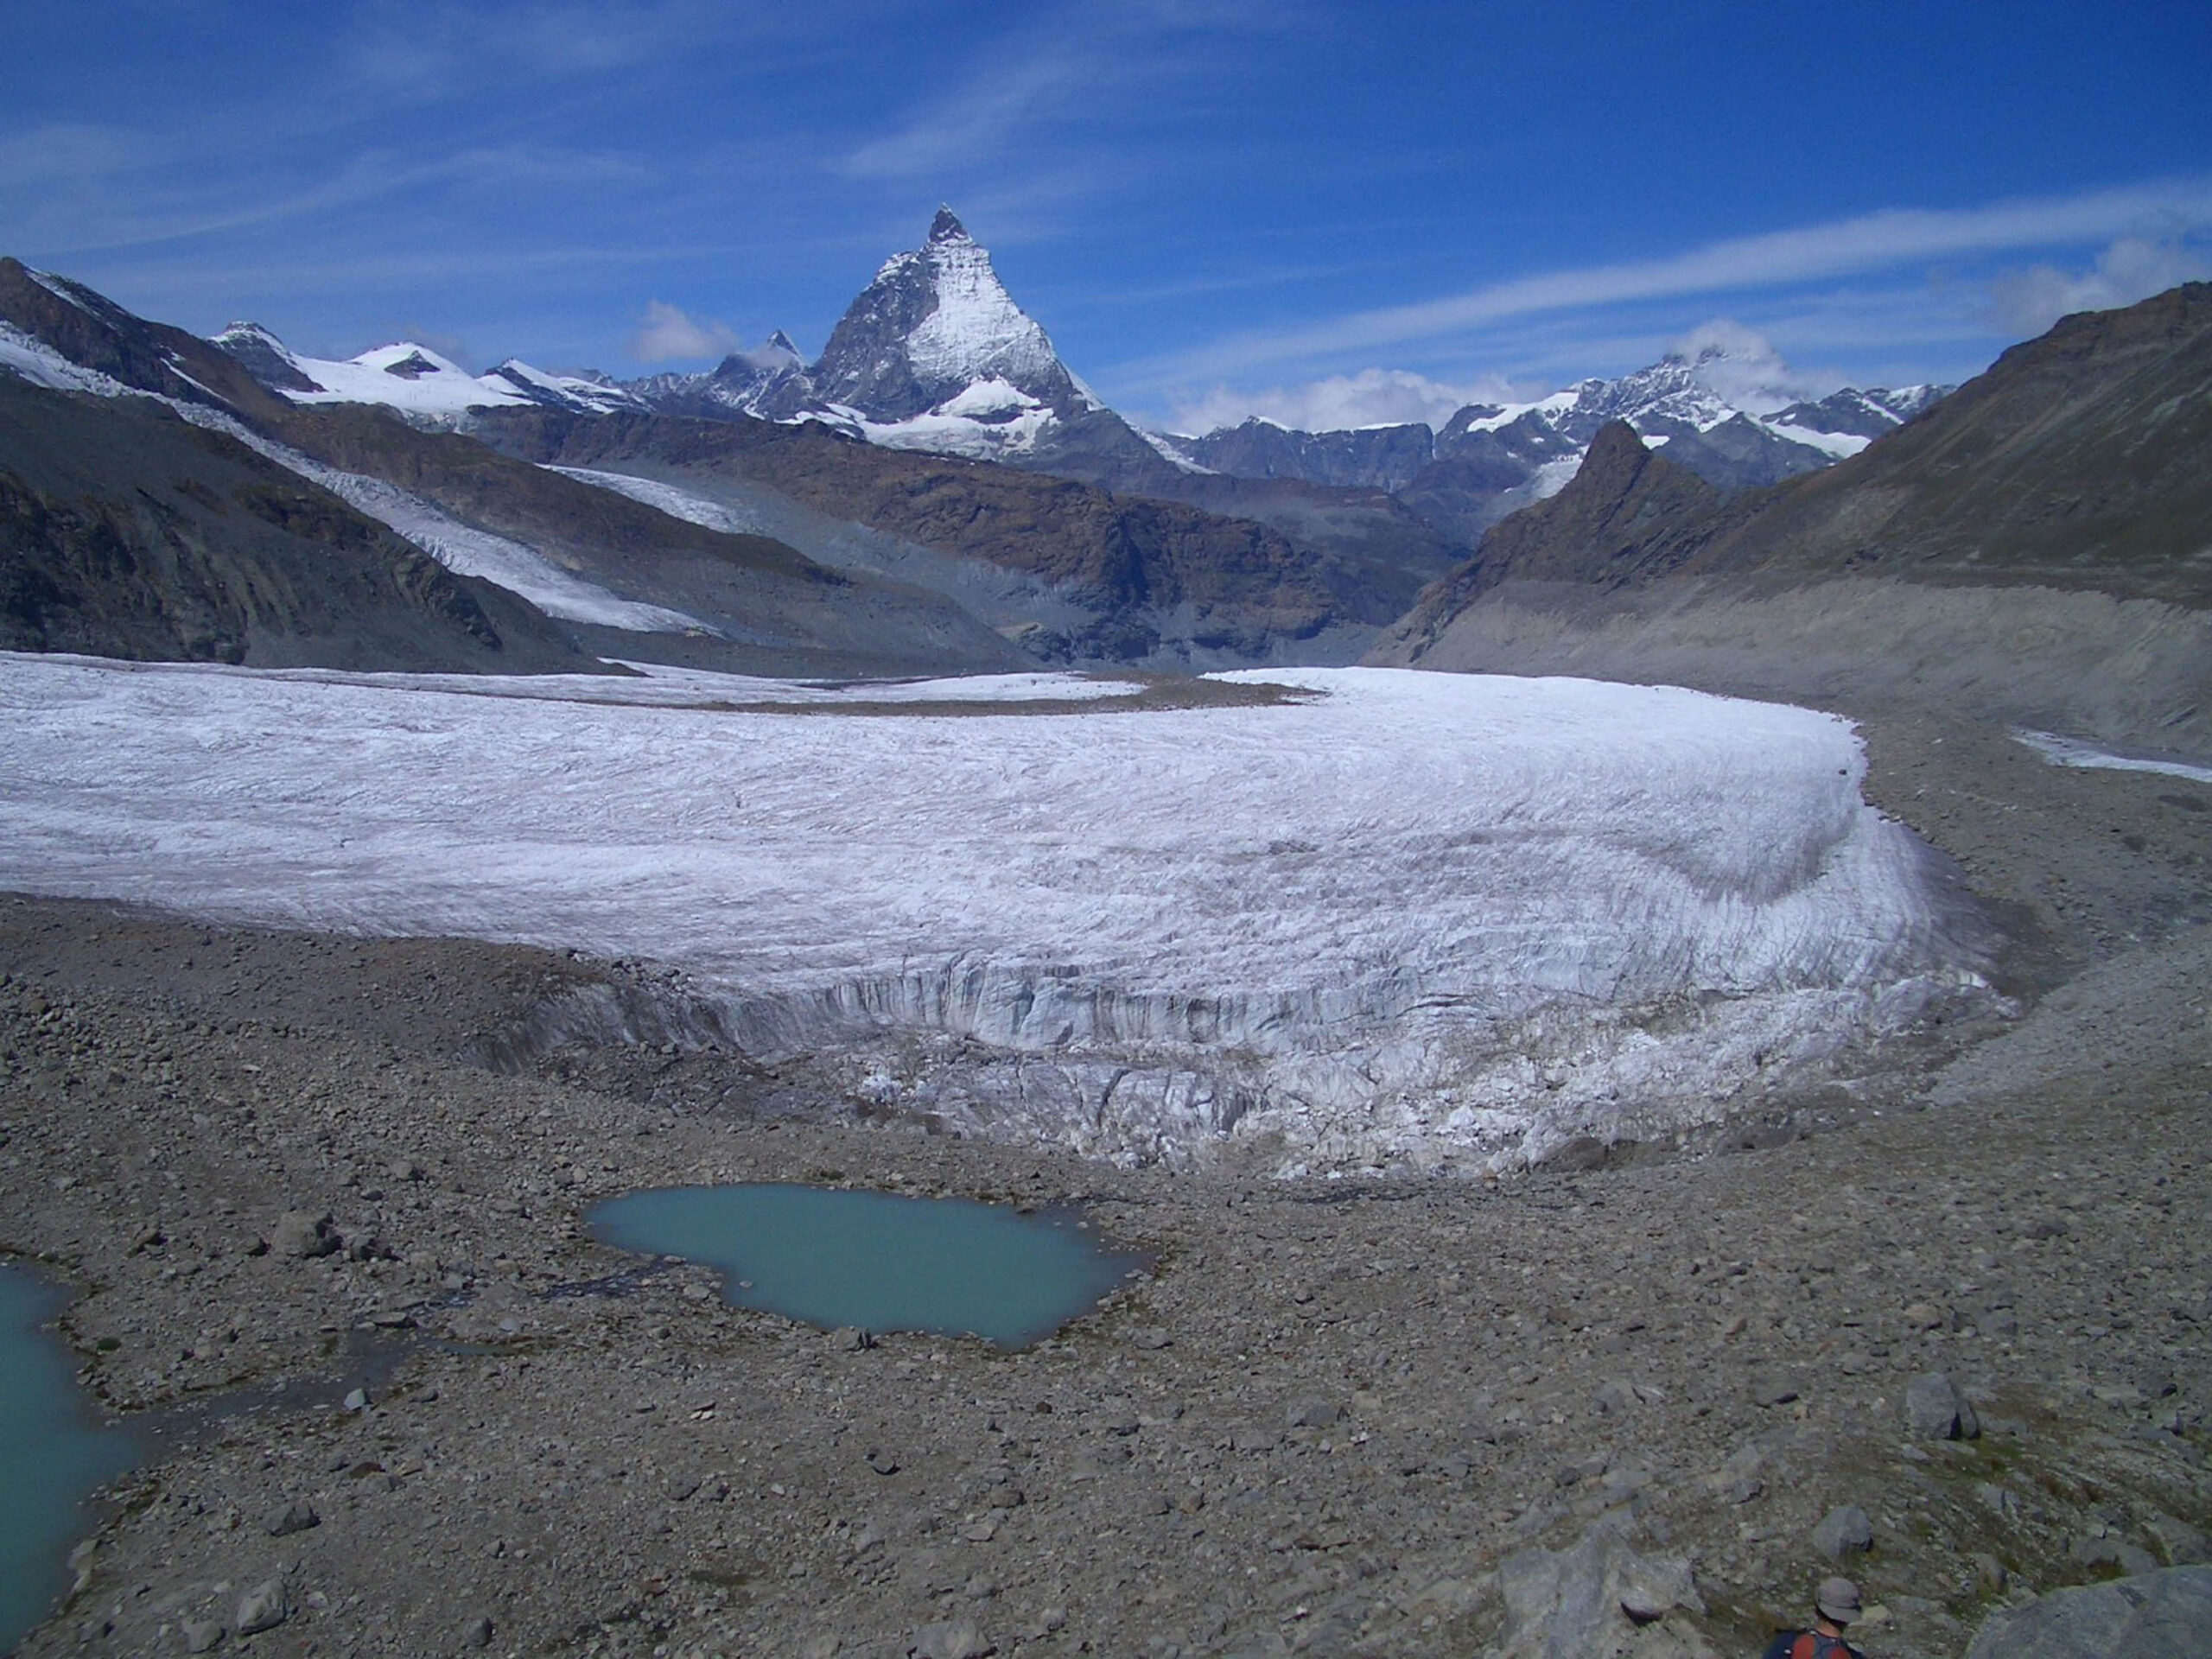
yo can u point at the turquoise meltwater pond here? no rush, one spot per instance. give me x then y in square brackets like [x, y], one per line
[879, 1261]
[51, 1454]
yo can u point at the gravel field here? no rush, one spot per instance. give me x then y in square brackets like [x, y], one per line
[1435, 1417]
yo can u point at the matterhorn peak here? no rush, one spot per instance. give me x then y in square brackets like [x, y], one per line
[937, 332]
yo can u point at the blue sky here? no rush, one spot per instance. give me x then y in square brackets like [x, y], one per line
[1325, 212]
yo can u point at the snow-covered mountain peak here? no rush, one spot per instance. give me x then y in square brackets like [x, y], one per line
[976, 331]
[592, 394]
[412, 378]
[266, 358]
[248, 333]
[936, 326]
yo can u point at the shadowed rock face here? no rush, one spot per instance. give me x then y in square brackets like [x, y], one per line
[1147, 570]
[1379, 457]
[1628, 515]
[90, 329]
[1741, 455]
[125, 531]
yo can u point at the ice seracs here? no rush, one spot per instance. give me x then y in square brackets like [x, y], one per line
[1402, 921]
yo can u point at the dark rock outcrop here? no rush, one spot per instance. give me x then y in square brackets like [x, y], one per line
[124, 532]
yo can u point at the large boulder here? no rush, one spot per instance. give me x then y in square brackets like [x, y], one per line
[2165, 1615]
[1935, 1410]
[1599, 1598]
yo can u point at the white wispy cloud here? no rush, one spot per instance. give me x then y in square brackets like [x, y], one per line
[418, 48]
[67, 152]
[957, 131]
[1336, 401]
[665, 334]
[1747, 370]
[1866, 243]
[1067, 67]
[2134, 268]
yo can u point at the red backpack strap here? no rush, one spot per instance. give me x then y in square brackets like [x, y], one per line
[1807, 1646]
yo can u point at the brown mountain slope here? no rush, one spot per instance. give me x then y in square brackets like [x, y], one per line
[761, 606]
[2080, 459]
[1628, 515]
[1230, 583]
[124, 532]
[2036, 549]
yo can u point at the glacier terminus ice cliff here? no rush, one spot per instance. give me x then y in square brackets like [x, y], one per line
[1387, 920]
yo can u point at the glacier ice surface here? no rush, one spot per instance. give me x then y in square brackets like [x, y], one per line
[1415, 921]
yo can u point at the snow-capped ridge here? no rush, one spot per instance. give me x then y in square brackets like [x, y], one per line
[934, 355]
[415, 378]
[591, 395]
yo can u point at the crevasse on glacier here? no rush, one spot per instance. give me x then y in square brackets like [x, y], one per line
[1409, 919]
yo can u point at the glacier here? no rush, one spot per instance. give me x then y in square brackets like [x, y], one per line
[1395, 920]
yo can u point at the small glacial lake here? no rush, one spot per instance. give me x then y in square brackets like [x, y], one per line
[51, 1454]
[876, 1260]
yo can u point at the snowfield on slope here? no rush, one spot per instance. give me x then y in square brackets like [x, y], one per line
[461, 548]
[1415, 920]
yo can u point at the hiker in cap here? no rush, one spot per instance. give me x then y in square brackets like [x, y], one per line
[1835, 1604]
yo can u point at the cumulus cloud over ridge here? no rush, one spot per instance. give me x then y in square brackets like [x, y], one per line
[1370, 398]
[667, 334]
[1744, 369]
[2134, 268]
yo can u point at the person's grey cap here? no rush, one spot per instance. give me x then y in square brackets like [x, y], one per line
[1838, 1598]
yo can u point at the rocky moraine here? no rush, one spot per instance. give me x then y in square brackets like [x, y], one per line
[1950, 1333]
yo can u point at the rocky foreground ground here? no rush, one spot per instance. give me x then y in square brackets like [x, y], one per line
[1955, 1338]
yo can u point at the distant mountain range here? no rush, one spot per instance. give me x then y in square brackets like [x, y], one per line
[1491, 457]
[934, 355]
[782, 547]
[938, 493]
[2036, 549]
